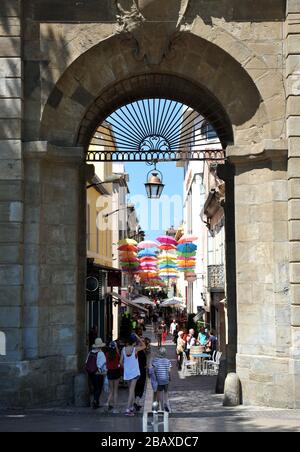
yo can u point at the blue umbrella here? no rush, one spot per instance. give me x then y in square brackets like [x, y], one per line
[147, 253]
[162, 267]
[187, 248]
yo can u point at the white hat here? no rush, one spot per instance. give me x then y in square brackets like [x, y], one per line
[99, 343]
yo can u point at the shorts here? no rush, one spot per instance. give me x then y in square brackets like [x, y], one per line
[162, 388]
[114, 374]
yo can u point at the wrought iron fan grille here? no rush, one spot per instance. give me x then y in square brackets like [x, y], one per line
[156, 130]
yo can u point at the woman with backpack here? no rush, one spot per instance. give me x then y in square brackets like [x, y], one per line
[130, 362]
[114, 374]
[96, 368]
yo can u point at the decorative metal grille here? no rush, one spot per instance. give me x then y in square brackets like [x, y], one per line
[216, 277]
[155, 130]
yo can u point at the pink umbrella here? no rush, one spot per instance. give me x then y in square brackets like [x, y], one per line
[147, 244]
[166, 240]
[188, 239]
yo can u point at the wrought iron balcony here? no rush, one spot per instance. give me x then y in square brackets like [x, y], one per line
[216, 277]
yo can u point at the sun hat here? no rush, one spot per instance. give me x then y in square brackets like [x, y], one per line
[99, 343]
[162, 352]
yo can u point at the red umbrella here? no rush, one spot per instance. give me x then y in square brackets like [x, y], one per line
[166, 240]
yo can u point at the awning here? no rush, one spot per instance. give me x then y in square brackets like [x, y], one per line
[143, 301]
[128, 302]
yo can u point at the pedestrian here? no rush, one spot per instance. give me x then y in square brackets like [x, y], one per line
[155, 320]
[96, 368]
[114, 374]
[173, 327]
[203, 337]
[180, 349]
[164, 332]
[162, 367]
[190, 342]
[211, 345]
[141, 383]
[159, 334]
[130, 362]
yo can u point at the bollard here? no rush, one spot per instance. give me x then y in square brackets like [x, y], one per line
[155, 419]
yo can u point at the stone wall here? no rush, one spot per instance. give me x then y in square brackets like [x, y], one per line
[11, 188]
[293, 132]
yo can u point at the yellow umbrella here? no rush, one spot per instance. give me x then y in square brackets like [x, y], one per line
[127, 242]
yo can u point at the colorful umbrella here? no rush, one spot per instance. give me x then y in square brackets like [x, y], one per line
[187, 239]
[127, 242]
[187, 248]
[167, 247]
[166, 240]
[128, 248]
[147, 253]
[147, 244]
[187, 254]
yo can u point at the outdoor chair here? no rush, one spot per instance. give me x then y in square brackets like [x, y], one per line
[189, 367]
[209, 363]
[212, 366]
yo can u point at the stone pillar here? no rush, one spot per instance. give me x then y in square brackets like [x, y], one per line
[293, 133]
[11, 195]
[262, 255]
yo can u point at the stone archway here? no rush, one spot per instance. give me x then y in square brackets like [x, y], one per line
[209, 77]
[189, 57]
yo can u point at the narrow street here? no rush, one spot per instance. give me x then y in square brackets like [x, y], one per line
[194, 408]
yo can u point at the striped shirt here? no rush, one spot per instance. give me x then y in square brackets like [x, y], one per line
[162, 370]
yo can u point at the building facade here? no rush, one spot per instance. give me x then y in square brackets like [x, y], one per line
[64, 67]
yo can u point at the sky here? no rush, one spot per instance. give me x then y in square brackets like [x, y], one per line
[156, 216]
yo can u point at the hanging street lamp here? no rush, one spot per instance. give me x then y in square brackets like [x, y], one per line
[154, 185]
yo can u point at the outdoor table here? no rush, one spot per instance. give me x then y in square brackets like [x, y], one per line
[200, 357]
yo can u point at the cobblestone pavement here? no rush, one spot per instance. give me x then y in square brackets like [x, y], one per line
[194, 408]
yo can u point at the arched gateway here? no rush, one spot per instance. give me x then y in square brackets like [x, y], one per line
[224, 60]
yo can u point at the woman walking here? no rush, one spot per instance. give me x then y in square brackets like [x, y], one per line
[130, 362]
[113, 375]
[96, 368]
[181, 344]
[164, 332]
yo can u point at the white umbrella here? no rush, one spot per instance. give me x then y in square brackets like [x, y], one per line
[173, 302]
[144, 301]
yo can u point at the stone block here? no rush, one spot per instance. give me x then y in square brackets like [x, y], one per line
[11, 233]
[294, 230]
[293, 85]
[280, 190]
[293, 44]
[294, 209]
[10, 129]
[296, 337]
[10, 108]
[293, 126]
[10, 8]
[11, 212]
[11, 275]
[10, 27]
[293, 7]
[11, 169]
[11, 295]
[10, 149]
[10, 317]
[295, 315]
[10, 67]
[293, 106]
[294, 167]
[10, 47]
[295, 273]
[11, 88]
[295, 293]
[294, 147]
[11, 254]
[293, 65]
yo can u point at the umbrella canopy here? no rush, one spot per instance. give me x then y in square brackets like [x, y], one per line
[127, 242]
[185, 255]
[168, 266]
[147, 244]
[166, 240]
[144, 301]
[173, 302]
[187, 248]
[167, 247]
[149, 259]
[188, 239]
[129, 248]
[147, 253]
